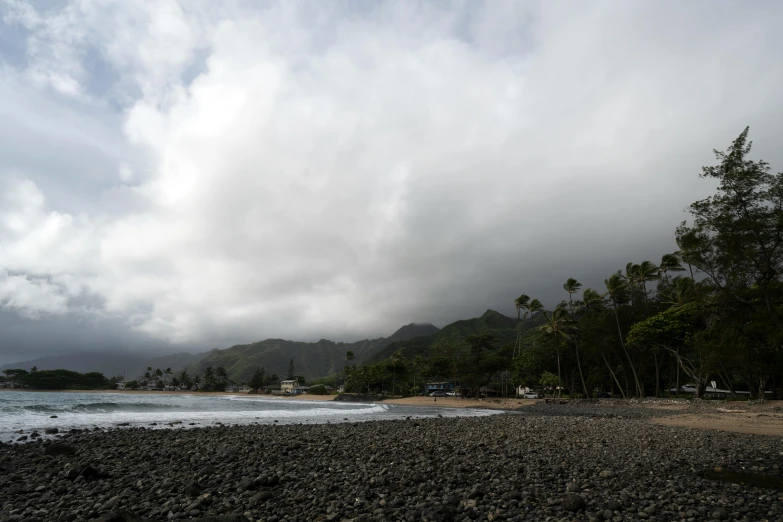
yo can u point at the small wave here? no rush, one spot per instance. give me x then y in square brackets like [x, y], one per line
[94, 407]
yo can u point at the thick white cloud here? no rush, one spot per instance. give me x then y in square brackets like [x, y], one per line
[305, 170]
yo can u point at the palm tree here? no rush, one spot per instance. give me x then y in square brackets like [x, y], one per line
[679, 292]
[416, 363]
[617, 292]
[669, 263]
[535, 307]
[557, 325]
[572, 286]
[593, 302]
[647, 271]
[349, 356]
[522, 303]
[167, 372]
[395, 360]
[33, 369]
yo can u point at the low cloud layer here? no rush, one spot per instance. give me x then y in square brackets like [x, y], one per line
[197, 174]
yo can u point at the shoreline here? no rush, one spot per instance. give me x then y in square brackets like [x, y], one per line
[571, 461]
[735, 417]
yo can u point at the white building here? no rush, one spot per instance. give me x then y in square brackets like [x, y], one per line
[288, 386]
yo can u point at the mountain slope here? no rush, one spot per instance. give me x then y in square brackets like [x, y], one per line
[311, 360]
[110, 364]
[492, 322]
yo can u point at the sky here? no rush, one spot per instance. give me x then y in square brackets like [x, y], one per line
[179, 175]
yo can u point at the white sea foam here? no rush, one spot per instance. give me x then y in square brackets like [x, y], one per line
[26, 412]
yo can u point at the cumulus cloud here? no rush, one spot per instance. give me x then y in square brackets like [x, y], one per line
[304, 170]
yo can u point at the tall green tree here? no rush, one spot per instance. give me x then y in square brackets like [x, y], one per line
[521, 303]
[557, 325]
[736, 239]
[573, 286]
[257, 380]
[617, 290]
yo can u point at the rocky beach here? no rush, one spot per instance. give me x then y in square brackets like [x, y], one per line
[594, 461]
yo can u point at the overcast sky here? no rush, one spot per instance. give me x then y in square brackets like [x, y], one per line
[197, 174]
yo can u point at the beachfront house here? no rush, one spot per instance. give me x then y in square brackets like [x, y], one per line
[122, 385]
[288, 386]
[440, 387]
[231, 388]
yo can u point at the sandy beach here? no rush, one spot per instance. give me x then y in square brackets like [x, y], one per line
[737, 417]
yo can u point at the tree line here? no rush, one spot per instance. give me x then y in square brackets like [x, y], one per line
[710, 310]
[58, 379]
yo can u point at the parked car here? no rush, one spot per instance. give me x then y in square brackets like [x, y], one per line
[438, 393]
[532, 395]
[453, 394]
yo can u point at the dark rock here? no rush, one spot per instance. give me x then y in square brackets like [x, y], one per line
[614, 505]
[23, 437]
[51, 431]
[122, 516]
[263, 496]
[207, 470]
[573, 502]
[247, 483]
[88, 472]
[193, 488]
[438, 514]
[58, 449]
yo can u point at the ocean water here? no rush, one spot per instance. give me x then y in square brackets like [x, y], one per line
[33, 411]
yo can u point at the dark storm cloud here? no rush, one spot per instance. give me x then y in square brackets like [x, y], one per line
[205, 174]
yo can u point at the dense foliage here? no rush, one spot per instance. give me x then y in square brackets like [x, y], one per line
[709, 311]
[58, 379]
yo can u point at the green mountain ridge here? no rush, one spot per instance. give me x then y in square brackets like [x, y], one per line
[504, 328]
[311, 360]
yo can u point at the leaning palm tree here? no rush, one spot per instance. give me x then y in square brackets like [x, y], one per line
[617, 291]
[535, 307]
[681, 291]
[522, 303]
[647, 271]
[593, 302]
[557, 325]
[572, 286]
[669, 263]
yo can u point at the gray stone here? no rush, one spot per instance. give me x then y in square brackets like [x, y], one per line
[573, 502]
